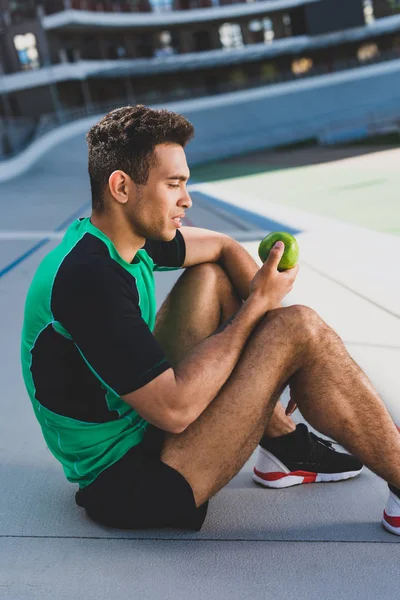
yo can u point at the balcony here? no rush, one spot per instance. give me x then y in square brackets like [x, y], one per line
[135, 6]
[155, 13]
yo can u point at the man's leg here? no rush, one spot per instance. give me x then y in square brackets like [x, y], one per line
[206, 291]
[290, 345]
[201, 301]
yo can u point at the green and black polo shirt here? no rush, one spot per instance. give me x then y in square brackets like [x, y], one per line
[87, 339]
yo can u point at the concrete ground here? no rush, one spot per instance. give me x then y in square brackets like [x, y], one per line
[305, 542]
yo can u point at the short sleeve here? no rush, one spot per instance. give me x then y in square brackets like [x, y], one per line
[167, 256]
[97, 303]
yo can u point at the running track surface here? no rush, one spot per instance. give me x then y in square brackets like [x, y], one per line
[307, 542]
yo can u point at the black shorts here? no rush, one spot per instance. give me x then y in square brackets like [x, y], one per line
[141, 492]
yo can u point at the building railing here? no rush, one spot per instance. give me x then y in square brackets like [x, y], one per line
[326, 127]
[48, 7]
[17, 133]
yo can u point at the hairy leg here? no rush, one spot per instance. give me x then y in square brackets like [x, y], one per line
[338, 399]
[202, 300]
[279, 423]
[332, 392]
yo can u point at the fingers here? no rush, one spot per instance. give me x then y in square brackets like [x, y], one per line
[275, 255]
[291, 407]
[291, 274]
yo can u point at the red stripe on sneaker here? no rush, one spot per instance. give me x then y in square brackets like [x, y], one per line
[393, 521]
[308, 477]
[270, 476]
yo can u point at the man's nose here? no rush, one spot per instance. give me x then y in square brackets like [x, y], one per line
[186, 199]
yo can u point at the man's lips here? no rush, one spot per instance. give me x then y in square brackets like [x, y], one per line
[177, 221]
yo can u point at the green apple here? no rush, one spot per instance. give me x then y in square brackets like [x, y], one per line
[290, 255]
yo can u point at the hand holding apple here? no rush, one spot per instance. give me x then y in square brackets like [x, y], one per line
[290, 255]
[270, 284]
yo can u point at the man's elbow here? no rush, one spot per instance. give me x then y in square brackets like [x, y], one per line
[177, 428]
[178, 421]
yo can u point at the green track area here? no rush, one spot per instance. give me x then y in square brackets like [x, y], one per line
[351, 184]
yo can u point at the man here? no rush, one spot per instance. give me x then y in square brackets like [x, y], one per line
[152, 417]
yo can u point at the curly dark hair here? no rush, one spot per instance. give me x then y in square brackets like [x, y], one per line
[125, 139]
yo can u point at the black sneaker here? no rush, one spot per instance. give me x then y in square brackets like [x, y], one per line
[301, 457]
[391, 514]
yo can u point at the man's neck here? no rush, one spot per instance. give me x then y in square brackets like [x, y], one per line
[118, 231]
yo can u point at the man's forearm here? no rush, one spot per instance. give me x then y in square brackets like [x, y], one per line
[200, 376]
[239, 266]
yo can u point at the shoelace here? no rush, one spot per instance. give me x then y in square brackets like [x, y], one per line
[319, 447]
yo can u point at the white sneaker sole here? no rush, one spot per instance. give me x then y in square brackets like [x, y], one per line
[295, 478]
[391, 515]
[271, 473]
[389, 527]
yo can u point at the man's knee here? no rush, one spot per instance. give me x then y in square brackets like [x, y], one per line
[214, 282]
[305, 317]
[298, 321]
[207, 270]
[211, 275]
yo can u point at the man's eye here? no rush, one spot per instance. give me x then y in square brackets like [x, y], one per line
[174, 185]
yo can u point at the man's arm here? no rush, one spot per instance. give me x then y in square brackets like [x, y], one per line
[183, 394]
[239, 266]
[203, 245]
[175, 398]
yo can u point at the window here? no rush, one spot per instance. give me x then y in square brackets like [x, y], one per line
[287, 23]
[301, 65]
[255, 26]
[268, 30]
[161, 5]
[28, 55]
[164, 44]
[368, 11]
[367, 52]
[237, 77]
[268, 72]
[231, 35]
[264, 25]
[21, 10]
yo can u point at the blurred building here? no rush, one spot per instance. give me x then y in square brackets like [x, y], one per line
[65, 58]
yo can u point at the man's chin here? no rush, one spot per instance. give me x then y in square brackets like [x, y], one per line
[170, 234]
[166, 236]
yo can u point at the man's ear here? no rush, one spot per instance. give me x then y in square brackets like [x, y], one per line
[119, 183]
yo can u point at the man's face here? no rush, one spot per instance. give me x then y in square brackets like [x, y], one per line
[157, 204]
